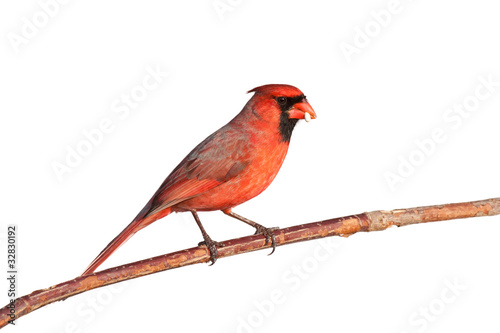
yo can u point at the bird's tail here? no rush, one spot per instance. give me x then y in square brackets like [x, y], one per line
[142, 220]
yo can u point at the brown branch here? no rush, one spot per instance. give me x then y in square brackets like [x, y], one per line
[343, 226]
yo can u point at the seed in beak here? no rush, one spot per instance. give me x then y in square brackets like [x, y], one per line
[307, 116]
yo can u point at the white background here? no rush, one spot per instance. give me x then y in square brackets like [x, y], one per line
[65, 77]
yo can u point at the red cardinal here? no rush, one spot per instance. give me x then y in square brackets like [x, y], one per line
[231, 166]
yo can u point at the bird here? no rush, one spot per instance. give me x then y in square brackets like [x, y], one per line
[231, 166]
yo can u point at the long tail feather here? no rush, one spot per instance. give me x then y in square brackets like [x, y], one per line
[137, 224]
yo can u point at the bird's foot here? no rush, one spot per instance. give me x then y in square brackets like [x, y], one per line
[268, 233]
[212, 248]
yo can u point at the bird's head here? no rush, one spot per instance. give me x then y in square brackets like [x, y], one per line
[282, 105]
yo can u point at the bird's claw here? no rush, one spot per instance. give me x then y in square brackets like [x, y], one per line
[269, 234]
[212, 248]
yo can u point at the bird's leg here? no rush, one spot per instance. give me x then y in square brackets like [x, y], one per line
[259, 229]
[207, 241]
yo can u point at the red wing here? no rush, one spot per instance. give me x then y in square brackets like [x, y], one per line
[214, 161]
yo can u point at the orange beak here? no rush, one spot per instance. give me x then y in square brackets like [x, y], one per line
[299, 111]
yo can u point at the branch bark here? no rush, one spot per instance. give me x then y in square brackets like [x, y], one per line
[342, 226]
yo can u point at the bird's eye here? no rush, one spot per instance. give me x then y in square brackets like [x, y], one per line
[281, 100]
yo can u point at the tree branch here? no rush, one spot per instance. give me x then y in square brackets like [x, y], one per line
[343, 226]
